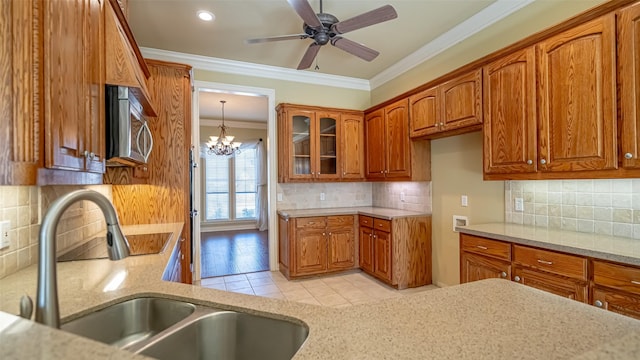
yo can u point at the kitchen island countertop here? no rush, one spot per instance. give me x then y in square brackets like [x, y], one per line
[492, 319]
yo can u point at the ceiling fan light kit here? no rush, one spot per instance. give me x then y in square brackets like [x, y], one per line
[324, 28]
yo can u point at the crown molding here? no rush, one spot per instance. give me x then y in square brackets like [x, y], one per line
[476, 23]
[250, 69]
[234, 124]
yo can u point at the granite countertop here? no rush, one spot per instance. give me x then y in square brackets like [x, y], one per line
[492, 319]
[611, 248]
[383, 213]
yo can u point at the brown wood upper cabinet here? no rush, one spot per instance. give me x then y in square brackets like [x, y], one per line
[577, 98]
[564, 86]
[388, 147]
[629, 85]
[510, 144]
[447, 108]
[319, 144]
[56, 128]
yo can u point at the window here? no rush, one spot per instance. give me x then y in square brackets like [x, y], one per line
[230, 186]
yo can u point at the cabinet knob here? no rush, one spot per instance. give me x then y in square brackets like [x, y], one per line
[92, 155]
[86, 154]
[516, 279]
[323, 234]
[628, 156]
[529, 162]
[329, 233]
[381, 171]
[598, 303]
[543, 161]
[503, 274]
[441, 124]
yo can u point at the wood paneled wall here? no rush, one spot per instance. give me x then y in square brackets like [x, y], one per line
[165, 198]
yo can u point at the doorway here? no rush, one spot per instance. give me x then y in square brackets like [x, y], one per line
[229, 226]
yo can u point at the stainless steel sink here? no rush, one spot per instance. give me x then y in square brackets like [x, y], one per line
[130, 322]
[230, 335]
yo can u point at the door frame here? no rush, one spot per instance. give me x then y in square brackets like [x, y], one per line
[272, 164]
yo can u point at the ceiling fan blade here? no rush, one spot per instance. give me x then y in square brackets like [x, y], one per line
[369, 18]
[354, 48]
[309, 56]
[275, 38]
[305, 11]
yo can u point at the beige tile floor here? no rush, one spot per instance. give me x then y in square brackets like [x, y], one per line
[336, 291]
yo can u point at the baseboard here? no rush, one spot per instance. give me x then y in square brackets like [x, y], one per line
[227, 227]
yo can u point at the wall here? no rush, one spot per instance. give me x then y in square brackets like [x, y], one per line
[533, 18]
[295, 92]
[610, 207]
[456, 169]
[24, 207]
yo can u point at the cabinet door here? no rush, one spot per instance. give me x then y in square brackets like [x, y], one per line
[476, 267]
[352, 140]
[366, 249]
[577, 92]
[382, 255]
[510, 114]
[375, 144]
[327, 151]
[341, 248]
[619, 302]
[64, 84]
[94, 69]
[424, 113]
[398, 146]
[310, 252]
[554, 284]
[462, 101]
[301, 144]
[629, 84]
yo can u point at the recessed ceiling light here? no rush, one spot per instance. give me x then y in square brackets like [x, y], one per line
[206, 15]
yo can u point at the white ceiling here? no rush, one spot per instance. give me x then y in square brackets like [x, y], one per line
[173, 25]
[237, 107]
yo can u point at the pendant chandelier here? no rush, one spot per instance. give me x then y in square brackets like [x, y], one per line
[223, 145]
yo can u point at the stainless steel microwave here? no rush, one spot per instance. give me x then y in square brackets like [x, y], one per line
[129, 140]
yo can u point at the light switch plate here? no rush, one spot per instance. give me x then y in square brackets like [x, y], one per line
[519, 205]
[5, 241]
[321, 196]
[464, 200]
[402, 196]
[279, 196]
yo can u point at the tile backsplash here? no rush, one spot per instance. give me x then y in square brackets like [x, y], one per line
[416, 195]
[610, 207]
[307, 195]
[24, 207]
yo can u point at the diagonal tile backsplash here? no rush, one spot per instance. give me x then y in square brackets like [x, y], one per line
[610, 207]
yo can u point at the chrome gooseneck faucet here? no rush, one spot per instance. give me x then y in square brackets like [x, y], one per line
[47, 305]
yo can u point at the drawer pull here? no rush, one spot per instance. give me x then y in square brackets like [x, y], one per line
[545, 262]
[598, 303]
[516, 279]
[503, 274]
[634, 282]
[482, 247]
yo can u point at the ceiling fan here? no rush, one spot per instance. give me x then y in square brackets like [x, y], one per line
[325, 28]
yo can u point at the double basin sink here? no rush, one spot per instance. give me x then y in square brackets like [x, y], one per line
[171, 329]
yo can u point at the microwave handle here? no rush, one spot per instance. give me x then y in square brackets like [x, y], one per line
[147, 150]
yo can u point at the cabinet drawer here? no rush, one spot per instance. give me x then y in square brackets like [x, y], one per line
[617, 276]
[337, 221]
[311, 222]
[553, 262]
[384, 225]
[492, 248]
[366, 221]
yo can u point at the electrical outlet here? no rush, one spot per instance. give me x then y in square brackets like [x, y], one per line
[5, 241]
[464, 200]
[279, 196]
[459, 220]
[321, 196]
[519, 205]
[402, 196]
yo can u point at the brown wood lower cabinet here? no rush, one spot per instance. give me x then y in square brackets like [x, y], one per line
[555, 284]
[396, 251]
[611, 286]
[316, 245]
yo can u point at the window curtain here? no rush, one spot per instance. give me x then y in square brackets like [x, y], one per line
[262, 213]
